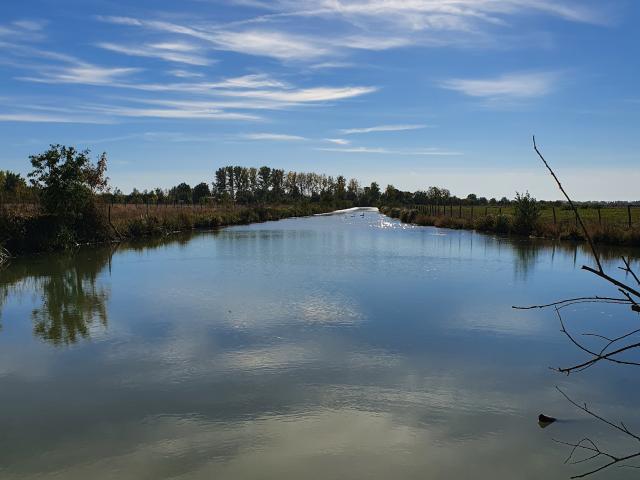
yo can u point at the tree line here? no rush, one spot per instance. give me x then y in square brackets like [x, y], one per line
[229, 184]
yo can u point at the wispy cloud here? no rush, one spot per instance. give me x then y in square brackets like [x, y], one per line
[338, 141]
[85, 73]
[382, 128]
[175, 113]
[49, 118]
[170, 52]
[509, 86]
[278, 137]
[23, 30]
[280, 45]
[185, 74]
[386, 151]
[304, 95]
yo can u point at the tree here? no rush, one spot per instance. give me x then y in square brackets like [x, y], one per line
[374, 192]
[200, 192]
[341, 187]
[67, 179]
[353, 190]
[183, 193]
[220, 184]
[277, 184]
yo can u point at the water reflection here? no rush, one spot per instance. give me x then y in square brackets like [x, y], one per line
[71, 300]
[308, 348]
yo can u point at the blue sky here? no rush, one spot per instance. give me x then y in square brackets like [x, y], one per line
[409, 92]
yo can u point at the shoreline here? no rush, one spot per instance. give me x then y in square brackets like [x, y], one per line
[46, 234]
[612, 236]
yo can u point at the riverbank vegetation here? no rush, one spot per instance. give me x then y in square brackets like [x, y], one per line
[68, 201]
[609, 227]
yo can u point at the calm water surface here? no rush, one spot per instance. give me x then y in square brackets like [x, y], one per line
[318, 348]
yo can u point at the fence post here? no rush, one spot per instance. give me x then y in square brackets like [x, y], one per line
[499, 210]
[629, 214]
[599, 217]
[554, 214]
[486, 210]
[471, 212]
[460, 210]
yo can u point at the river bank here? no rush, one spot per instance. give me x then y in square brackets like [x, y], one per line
[503, 224]
[37, 233]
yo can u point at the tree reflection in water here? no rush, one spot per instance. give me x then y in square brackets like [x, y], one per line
[72, 299]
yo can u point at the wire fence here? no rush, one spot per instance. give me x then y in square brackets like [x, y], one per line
[626, 215]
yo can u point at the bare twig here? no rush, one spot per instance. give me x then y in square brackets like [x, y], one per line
[584, 229]
[612, 280]
[590, 446]
[597, 357]
[594, 299]
[627, 268]
[622, 428]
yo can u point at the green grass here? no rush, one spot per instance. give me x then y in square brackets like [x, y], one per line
[611, 230]
[609, 216]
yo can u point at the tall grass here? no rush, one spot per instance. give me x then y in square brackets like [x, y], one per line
[29, 232]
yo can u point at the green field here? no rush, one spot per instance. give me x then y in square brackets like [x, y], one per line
[605, 216]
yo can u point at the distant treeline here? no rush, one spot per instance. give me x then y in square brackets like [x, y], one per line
[265, 185]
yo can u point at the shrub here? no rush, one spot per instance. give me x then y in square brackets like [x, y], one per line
[526, 213]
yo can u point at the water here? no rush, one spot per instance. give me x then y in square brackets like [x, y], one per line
[316, 348]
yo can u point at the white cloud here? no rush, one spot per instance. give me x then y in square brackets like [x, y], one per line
[176, 113]
[176, 52]
[382, 128]
[84, 73]
[280, 45]
[48, 118]
[280, 137]
[338, 141]
[385, 151]
[185, 74]
[510, 86]
[305, 95]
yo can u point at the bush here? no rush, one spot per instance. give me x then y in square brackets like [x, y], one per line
[526, 213]
[503, 224]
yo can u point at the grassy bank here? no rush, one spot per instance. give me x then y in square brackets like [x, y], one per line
[504, 224]
[32, 232]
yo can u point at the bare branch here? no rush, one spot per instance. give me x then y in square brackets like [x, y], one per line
[571, 301]
[584, 229]
[627, 268]
[586, 410]
[612, 280]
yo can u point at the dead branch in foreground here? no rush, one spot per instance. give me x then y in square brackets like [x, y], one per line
[611, 350]
[591, 449]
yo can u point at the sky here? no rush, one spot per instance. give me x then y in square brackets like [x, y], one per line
[408, 92]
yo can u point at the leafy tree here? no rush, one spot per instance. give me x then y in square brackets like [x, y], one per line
[264, 181]
[183, 193]
[277, 184]
[220, 184]
[353, 190]
[200, 192]
[67, 179]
